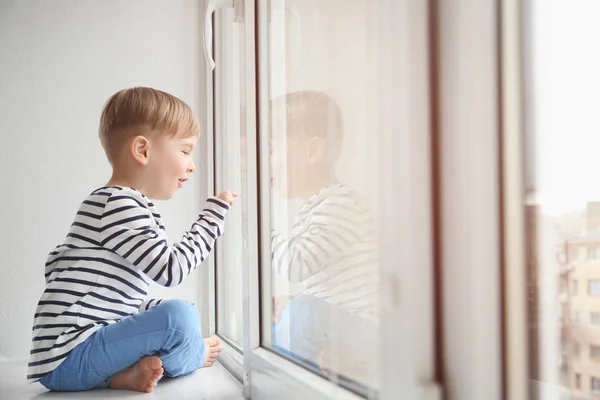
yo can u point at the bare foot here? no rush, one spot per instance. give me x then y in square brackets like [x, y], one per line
[141, 377]
[324, 362]
[213, 349]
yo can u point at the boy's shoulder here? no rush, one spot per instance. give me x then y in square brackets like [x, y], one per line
[110, 200]
[340, 194]
[335, 202]
[108, 194]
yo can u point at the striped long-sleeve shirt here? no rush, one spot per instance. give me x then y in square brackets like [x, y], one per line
[332, 249]
[101, 273]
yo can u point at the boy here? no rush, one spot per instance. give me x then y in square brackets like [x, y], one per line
[93, 325]
[332, 248]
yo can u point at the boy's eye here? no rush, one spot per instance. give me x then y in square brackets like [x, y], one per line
[186, 153]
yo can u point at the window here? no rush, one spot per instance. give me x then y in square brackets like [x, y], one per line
[594, 287]
[323, 185]
[595, 385]
[228, 175]
[574, 252]
[595, 352]
[556, 216]
[592, 253]
[299, 122]
[574, 287]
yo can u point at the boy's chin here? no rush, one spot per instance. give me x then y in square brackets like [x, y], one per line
[164, 195]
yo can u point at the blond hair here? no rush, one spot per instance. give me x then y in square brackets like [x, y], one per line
[156, 112]
[309, 114]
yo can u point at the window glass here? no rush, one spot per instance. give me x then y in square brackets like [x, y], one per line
[323, 152]
[229, 170]
[562, 84]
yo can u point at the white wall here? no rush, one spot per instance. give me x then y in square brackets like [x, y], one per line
[59, 62]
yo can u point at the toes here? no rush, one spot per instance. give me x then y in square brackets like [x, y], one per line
[156, 376]
[213, 341]
[156, 363]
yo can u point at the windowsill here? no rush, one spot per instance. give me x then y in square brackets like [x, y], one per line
[207, 383]
[231, 359]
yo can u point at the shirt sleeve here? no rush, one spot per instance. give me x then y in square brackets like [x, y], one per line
[149, 303]
[129, 229]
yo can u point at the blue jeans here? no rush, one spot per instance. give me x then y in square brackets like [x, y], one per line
[309, 325]
[308, 320]
[170, 331]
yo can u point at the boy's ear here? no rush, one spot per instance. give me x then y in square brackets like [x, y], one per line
[316, 150]
[140, 149]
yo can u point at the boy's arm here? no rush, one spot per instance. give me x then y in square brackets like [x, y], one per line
[128, 229]
[149, 303]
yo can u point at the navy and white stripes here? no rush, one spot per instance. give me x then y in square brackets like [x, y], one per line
[115, 247]
[333, 250]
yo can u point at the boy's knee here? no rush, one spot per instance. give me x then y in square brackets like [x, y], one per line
[181, 315]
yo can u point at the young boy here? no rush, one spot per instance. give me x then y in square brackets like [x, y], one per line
[94, 326]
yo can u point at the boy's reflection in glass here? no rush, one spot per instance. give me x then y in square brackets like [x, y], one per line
[332, 246]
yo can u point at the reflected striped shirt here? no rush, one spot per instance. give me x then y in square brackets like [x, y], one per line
[332, 249]
[101, 273]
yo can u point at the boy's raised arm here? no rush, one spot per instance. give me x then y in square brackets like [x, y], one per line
[129, 230]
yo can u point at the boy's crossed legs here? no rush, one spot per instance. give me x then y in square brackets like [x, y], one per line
[134, 353]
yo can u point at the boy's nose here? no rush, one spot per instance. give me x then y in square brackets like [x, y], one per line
[191, 167]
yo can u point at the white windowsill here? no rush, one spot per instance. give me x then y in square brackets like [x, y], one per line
[208, 383]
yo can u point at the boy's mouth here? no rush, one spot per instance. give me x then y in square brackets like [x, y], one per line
[181, 181]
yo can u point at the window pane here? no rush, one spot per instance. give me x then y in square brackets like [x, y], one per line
[228, 172]
[592, 253]
[323, 185]
[574, 251]
[594, 287]
[563, 209]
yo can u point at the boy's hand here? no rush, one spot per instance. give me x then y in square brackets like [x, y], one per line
[228, 196]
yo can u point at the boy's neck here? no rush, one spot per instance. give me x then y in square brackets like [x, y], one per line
[317, 182]
[123, 180]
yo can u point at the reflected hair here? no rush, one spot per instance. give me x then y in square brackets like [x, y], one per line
[310, 114]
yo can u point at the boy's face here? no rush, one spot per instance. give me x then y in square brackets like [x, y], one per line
[169, 164]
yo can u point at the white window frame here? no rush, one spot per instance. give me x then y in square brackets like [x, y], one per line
[206, 172]
[470, 132]
[407, 348]
[482, 198]
[466, 121]
[231, 356]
